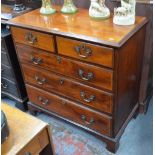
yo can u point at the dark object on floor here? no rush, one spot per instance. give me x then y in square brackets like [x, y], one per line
[4, 127]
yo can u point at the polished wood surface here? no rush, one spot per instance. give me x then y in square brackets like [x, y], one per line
[70, 110]
[26, 133]
[41, 40]
[143, 8]
[101, 77]
[129, 67]
[88, 52]
[79, 25]
[101, 101]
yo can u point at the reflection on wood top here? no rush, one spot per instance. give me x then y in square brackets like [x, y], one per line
[22, 127]
[79, 25]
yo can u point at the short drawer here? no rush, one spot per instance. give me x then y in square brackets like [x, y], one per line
[7, 72]
[5, 59]
[70, 110]
[90, 74]
[36, 145]
[49, 81]
[85, 51]
[33, 38]
[9, 87]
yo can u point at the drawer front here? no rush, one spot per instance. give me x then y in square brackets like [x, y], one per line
[84, 51]
[9, 87]
[70, 110]
[87, 73]
[7, 72]
[4, 58]
[55, 83]
[32, 38]
[36, 145]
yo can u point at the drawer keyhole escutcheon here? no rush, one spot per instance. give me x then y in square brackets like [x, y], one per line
[87, 76]
[61, 82]
[43, 101]
[83, 117]
[83, 51]
[30, 38]
[36, 61]
[85, 98]
[39, 80]
[58, 59]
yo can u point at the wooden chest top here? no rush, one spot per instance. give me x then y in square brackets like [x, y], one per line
[79, 25]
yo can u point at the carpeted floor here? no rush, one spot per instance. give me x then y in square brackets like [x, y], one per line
[69, 140]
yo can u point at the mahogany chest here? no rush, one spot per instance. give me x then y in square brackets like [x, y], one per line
[84, 71]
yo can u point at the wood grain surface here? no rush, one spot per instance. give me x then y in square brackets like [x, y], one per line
[129, 69]
[58, 84]
[87, 52]
[79, 25]
[101, 77]
[70, 110]
[22, 129]
[42, 41]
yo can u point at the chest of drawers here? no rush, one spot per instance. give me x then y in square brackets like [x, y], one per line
[83, 71]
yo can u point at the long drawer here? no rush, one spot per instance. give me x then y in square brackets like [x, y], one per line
[6, 72]
[70, 110]
[9, 87]
[85, 51]
[33, 38]
[49, 81]
[90, 74]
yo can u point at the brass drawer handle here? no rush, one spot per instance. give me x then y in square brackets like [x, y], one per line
[83, 51]
[87, 77]
[30, 38]
[5, 86]
[39, 80]
[36, 61]
[83, 117]
[89, 99]
[43, 101]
